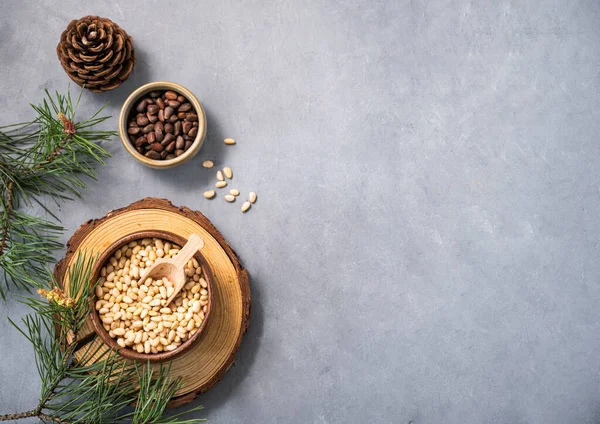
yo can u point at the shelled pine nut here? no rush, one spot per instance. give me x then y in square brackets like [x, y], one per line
[137, 315]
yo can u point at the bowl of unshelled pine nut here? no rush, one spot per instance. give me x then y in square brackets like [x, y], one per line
[134, 319]
[162, 124]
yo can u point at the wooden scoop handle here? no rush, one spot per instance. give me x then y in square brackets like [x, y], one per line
[193, 244]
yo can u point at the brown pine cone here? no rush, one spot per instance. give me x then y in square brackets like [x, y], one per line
[96, 52]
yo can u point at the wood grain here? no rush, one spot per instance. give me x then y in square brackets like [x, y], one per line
[201, 367]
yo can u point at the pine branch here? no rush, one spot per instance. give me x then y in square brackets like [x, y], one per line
[44, 158]
[99, 386]
[46, 417]
[31, 414]
[19, 416]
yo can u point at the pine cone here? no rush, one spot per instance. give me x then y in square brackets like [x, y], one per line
[96, 52]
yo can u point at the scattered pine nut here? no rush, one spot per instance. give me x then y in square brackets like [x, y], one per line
[229, 141]
[221, 184]
[252, 197]
[209, 194]
[245, 206]
[234, 192]
[230, 198]
[208, 164]
[220, 175]
[227, 172]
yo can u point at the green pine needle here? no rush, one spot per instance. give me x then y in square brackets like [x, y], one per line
[98, 387]
[39, 161]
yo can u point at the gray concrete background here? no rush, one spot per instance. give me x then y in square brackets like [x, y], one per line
[425, 244]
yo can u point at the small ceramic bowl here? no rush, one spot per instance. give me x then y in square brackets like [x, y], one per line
[132, 101]
[128, 352]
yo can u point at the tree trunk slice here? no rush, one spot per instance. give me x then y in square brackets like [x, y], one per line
[203, 365]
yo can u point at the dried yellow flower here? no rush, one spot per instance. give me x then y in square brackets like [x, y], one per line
[57, 296]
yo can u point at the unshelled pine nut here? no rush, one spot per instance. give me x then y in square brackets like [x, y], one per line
[164, 127]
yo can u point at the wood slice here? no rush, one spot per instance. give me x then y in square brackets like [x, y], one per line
[202, 366]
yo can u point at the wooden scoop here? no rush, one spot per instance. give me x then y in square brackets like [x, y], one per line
[173, 268]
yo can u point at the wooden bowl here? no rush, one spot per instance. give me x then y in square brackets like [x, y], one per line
[132, 101]
[99, 328]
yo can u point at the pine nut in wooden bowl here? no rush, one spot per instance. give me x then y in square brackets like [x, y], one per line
[135, 320]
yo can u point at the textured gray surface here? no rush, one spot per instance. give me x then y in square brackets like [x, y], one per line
[425, 244]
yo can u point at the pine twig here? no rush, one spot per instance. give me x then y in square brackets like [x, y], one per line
[37, 412]
[9, 197]
[45, 158]
[46, 417]
[69, 129]
[97, 387]
[31, 414]
[19, 415]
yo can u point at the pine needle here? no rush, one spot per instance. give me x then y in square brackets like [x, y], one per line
[47, 158]
[98, 387]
